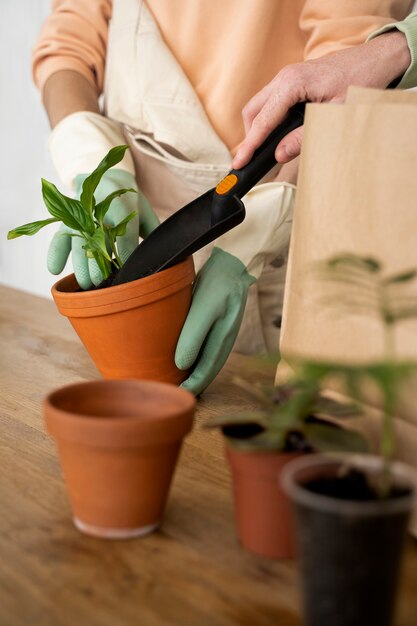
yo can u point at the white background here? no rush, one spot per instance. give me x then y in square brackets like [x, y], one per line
[23, 148]
[24, 155]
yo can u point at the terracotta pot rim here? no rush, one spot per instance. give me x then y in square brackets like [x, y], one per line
[262, 454]
[114, 430]
[73, 303]
[259, 465]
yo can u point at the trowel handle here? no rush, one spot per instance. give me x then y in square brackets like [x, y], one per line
[239, 182]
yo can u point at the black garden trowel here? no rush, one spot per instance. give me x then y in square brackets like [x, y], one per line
[209, 216]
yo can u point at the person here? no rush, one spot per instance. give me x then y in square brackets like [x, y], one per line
[388, 58]
[175, 76]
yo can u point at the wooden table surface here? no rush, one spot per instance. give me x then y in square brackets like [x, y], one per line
[192, 572]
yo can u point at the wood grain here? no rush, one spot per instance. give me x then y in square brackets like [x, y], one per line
[191, 573]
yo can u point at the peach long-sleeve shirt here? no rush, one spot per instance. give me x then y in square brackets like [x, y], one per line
[229, 49]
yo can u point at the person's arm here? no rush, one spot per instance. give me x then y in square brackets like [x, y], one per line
[69, 58]
[73, 38]
[330, 26]
[334, 25]
[409, 28]
[377, 64]
[68, 68]
[66, 92]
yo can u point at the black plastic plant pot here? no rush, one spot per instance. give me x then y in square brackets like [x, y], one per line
[349, 550]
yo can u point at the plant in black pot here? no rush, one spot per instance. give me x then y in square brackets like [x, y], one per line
[260, 443]
[352, 511]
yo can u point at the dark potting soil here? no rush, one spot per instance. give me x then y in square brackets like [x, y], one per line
[295, 442]
[102, 285]
[107, 282]
[354, 485]
[242, 431]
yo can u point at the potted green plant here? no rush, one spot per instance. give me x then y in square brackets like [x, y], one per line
[260, 443]
[130, 330]
[352, 512]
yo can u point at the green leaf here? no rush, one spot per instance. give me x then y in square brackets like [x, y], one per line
[97, 243]
[120, 229]
[401, 278]
[368, 264]
[291, 412]
[30, 229]
[287, 417]
[114, 156]
[104, 265]
[254, 392]
[316, 370]
[333, 408]
[263, 442]
[65, 209]
[93, 251]
[330, 439]
[102, 207]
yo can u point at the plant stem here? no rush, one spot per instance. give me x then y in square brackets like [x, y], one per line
[387, 451]
[389, 340]
[104, 265]
[117, 259]
[387, 435]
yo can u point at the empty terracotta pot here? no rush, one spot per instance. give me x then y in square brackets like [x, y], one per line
[263, 511]
[118, 443]
[131, 330]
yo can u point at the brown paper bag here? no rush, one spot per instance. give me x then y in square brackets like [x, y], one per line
[357, 193]
[362, 95]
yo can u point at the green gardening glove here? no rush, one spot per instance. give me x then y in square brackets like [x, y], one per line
[219, 299]
[221, 287]
[63, 244]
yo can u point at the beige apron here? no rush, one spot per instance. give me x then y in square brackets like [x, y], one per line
[177, 153]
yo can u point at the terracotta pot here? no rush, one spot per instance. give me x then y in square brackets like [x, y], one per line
[131, 330]
[118, 443]
[263, 511]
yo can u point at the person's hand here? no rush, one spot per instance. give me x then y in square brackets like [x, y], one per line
[64, 243]
[222, 285]
[374, 64]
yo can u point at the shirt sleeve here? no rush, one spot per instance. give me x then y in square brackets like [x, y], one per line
[332, 25]
[73, 37]
[409, 28]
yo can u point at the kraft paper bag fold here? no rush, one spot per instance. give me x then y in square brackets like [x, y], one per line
[364, 95]
[357, 193]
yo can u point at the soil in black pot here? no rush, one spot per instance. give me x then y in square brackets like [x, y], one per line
[353, 485]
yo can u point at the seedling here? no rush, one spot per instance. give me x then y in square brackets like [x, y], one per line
[286, 418]
[360, 286]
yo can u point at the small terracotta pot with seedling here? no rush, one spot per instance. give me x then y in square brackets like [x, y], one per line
[260, 443]
[352, 512]
[130, 330]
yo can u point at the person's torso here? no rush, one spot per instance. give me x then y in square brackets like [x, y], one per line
[229, 49]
